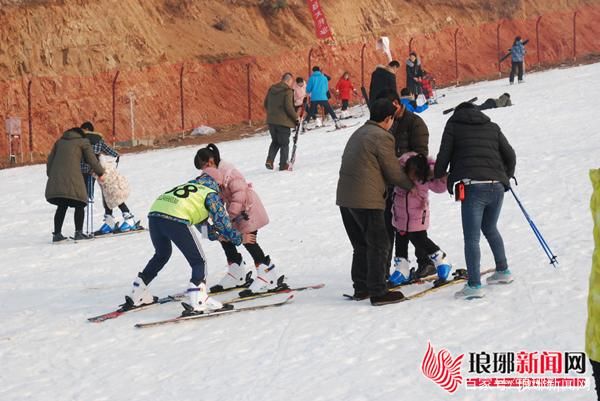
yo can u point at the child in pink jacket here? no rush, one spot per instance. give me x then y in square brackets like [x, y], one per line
[410, 216]
[248, 215]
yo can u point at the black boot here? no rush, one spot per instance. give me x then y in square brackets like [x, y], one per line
[390, 297]
[425, 270]
[79, 236]
[58, 237]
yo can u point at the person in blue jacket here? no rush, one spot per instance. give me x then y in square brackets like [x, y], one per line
[517, 52]
[406, 98]
[317, 88]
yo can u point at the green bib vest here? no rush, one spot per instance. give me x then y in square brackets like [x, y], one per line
[185, 202]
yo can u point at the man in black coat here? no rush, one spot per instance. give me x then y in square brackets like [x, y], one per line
[481, 159]
[383, 78]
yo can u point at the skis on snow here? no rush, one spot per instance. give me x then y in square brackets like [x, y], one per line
[125, 308]
[435, 287]
[226, 310]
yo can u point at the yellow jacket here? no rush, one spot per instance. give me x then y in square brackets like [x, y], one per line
[592, 335]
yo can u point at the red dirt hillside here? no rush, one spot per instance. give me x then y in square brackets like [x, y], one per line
[72, 50]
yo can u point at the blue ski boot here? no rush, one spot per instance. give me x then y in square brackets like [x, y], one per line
[128, 223]
[401, 274]
[108, 227]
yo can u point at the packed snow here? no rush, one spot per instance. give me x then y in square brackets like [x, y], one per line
[320, 347]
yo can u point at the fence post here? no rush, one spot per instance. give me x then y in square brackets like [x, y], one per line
[575, 35]
[499, 56]
[362, 65]
[114, 108]
[537, 38]
[456, 53]
[181, 104]
[249, 98]
[410, 45]
[29, 115]
[310, 52]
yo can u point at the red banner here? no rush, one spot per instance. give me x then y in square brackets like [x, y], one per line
[322, 29]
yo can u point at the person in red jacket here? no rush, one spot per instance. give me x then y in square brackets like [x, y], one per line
[344, 90]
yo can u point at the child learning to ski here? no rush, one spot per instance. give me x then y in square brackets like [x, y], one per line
[170, 220]
[410, 213]
[247, 214]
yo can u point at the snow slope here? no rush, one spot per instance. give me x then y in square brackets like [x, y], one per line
[321, 347]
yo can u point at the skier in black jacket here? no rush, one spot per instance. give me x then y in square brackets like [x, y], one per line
[383, 78]
[481, 158]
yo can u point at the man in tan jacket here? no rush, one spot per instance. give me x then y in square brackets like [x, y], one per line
[281, 117]
[369, 165]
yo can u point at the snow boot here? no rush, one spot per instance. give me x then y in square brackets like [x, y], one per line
[267, 280]
[199, 301]
[108, 226]
[318, 122]
[80, 236]
[442, 266]
[58, 237]
[390, 297]
[401, 274]
[128, 223]
[269, 164]
[237, 276]
[139, 295]
[500, 277]
[338, 125]
[469, 292]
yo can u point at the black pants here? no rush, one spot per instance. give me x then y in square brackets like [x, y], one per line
[59, 217]
[596, 371]
[280, 139]
[313, 109]
[393, 235]
[423, 245]
[516, 66]
[345, 103]
[233, 256]
[123, 207]
[162, 233]
[370, 242]
[488, 104]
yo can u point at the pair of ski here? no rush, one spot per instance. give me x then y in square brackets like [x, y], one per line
[227, 309]
[434, 288]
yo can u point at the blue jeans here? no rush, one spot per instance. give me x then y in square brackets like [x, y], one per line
[480, 211]
[162, 233]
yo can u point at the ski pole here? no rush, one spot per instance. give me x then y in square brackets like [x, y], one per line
[551, 256]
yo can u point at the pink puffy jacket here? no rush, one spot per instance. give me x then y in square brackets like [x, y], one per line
[410, 211]
[239, 197]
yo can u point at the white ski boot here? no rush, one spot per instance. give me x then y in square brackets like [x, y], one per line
[267, 279]
[237, 276]
[318, 122]
[128, 223]
[108, 226]
[199, 301]
[401, 274]
[441, 264]
[139, 295]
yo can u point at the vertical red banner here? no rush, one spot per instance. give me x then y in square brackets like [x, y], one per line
[321, 27]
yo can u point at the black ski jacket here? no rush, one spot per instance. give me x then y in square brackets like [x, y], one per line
[475, 148]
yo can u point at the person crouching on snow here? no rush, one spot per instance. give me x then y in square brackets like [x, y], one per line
[410, 213]
[170, 220]
[248, 215]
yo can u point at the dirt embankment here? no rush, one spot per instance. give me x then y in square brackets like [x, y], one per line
[204, 51]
